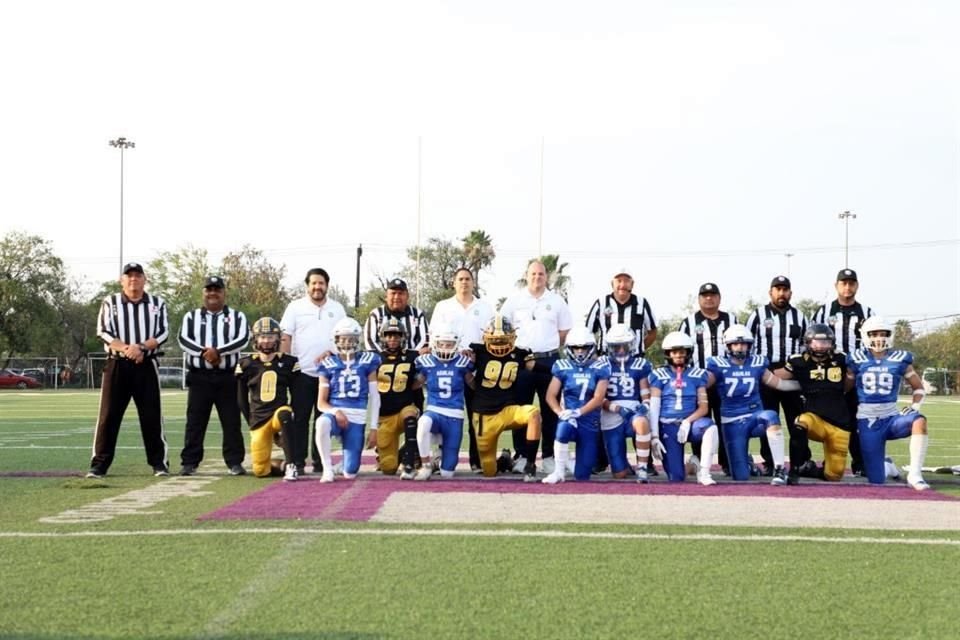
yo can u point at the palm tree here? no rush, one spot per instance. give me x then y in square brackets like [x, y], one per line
[557, 280]
[478, 252]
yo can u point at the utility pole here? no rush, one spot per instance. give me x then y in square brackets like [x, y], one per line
[122, 144]
[845, 216]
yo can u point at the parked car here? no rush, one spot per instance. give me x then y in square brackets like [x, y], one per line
[170, 376]
[35, 373]
[11, 380]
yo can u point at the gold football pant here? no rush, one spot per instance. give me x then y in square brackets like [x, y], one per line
[836, 443]
[389, 430]
[489, 427]
[261, 441]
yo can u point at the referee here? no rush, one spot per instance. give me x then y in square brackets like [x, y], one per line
[398, 306]
[213, 336]
[622, 306]
[845, 315]
[132, 324]
[706, 327]
[778, 329]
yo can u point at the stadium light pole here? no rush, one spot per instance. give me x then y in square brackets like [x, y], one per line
[122, 144]
[788, 255]
[845, 216]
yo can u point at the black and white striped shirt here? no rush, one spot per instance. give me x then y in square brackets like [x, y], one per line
[635, 313]
[226, 331]
[412, 318]
[845, 322]
[132, 322]
[707, 334]
[778, 335]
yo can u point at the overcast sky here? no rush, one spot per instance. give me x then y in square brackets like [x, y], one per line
[686, 141]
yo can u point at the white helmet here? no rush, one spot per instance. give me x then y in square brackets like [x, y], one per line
[346, 337]
[581, 344]
[444, 342]
[620, 340]
[676, 340]
[738, 334]
[880, 342]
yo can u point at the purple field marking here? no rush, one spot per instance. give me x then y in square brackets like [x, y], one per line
[360, 499]
[40, 474]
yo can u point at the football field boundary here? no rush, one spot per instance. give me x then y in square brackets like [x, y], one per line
[484, 533]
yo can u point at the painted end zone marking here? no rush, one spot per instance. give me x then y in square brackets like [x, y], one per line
[363, 499]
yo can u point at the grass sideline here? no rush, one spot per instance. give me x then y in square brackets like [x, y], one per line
[283, 579]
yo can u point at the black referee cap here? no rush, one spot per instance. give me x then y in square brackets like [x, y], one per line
[398, 284]
[213, 282]
[847, 274]
[132, 266]
[780, 281]
[709, 287]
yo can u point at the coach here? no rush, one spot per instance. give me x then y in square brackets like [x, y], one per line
[213, 337]
[132, 324]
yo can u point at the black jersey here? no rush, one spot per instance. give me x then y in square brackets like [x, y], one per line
[396, 375]
[496, 379]
[821, 384]
[264, 386]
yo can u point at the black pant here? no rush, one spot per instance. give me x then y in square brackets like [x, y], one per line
[532, 384]
[792, 407]
[304, 402]
[856, 457]
[474, 453]
[122, 380]
[206, 389]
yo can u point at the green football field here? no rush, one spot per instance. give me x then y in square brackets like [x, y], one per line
[139, 557]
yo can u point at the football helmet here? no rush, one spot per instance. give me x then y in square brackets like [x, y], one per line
[677, 341]
[620, 342]
[820, 340]
[581, 345]
[443, 342]
[266, 335]
[346, 337]
[737, 334]
[499, 337]
[392, 326]
[883, 330]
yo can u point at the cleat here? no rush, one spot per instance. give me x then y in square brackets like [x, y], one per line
[93, 473]
[793, 479]
[318, 467]
[161, 472]
[424, 473]
[349, 476]
[553, 478]
[519, 465]
[188, 469]
[704, 478]
[642, 475]
[504, 462]
[918, 483]
[290, 473]
[693, 465]
[890, 469]
[338, 468]
[407, 473]
[326, 476]
[548, 465]
[530, 473]
[598, 468]
[808, 469]
[300, 469]
[238, 470]
[767, 470]
[779, 477]
[652, 469]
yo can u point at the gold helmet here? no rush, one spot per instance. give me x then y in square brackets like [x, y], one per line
[499, 337]
[266, 335]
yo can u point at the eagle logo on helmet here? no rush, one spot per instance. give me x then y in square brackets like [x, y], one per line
[499, 337]
[392, 329]
[266, 335]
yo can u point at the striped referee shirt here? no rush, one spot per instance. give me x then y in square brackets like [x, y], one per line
[845, 322]
[635, 313]
[412, 318]
[132, 322]
[707, 334]
[778, 335]
[225, 330]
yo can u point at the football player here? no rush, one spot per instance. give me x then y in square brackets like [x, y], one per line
[877, 370]
[397, 383]
[444, 373]
[678, 409]
[576, 394]
[624, 415]
[348, 389]
[496, 409]
[264, 380]
[738, 376]
[821, 372]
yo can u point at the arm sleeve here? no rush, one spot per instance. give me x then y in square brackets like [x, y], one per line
[373, 418]
[654, 416]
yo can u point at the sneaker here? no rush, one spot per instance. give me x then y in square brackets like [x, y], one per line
[917, 482]
[93, 473]
[598, 468]
[548, 465]
[188, 469]
[407, 473]
[326, 476]
[642, 475]
[238, 470]
[792, 478]
[160, 472]
[300, 469]
[530, 473]
[704, 478]
[290, 473]
[424, 473]
[519, 465]
[475, 467]
[779, 477]
[553, 478]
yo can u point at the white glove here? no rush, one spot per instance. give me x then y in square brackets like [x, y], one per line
[569, 414]
[910, 408]
[657, 448]
[683, 432]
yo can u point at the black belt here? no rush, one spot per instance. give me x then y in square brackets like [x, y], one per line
[545, 354]
[215, 371]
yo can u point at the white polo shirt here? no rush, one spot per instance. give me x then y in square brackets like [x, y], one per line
[469, 322]
[538, 321]
[311, 330]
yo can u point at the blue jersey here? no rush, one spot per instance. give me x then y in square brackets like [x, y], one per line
[738, 384]
[444, 383]
[349, 384]
[579, 382]
[624, 387]
[678, 392]
[878, 380]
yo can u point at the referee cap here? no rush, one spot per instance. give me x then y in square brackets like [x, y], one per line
[623, 271]
[397, 283]
[780, 281]
[132, 266]
[847, 274]
[213, 282]
[708, 288]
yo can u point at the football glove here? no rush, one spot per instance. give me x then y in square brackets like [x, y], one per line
[683, 432]
[569, 414]
[657, 448]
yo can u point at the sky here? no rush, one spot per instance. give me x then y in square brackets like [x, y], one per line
[685, 141]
